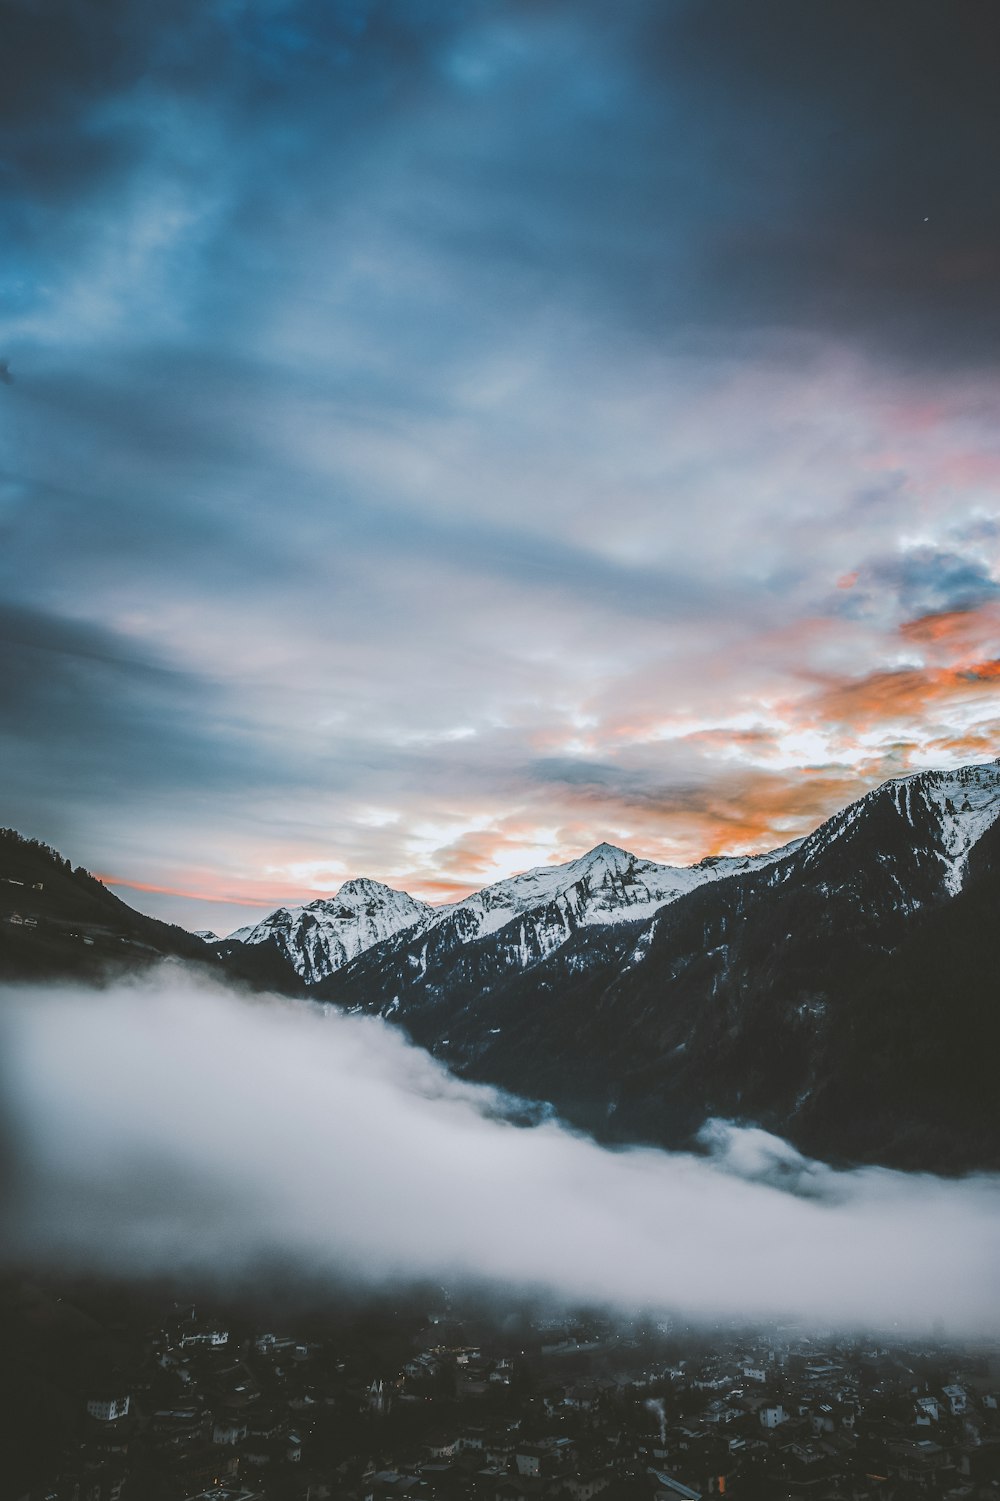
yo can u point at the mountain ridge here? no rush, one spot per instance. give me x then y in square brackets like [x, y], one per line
[841, 991]
[741, 998]
[606, 884]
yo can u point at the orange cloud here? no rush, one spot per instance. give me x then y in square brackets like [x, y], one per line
[437, 890]
[194, 896]
[238, 897]
[475, 852]
[984, 741]
[761, 740]
[750, 810]
[958, 630]
[887, 696]
[765, 811]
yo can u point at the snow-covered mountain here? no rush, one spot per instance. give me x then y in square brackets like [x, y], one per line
[941, 816]
[330, 931]
[935, 818]
[607, 885]
[842, 992]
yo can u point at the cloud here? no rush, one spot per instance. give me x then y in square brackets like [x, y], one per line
[551, 149]
[833, 119]
[468, 412]
[84, 700]
[956, 631]
[886, 698]
[168, 1125]
[922, 581]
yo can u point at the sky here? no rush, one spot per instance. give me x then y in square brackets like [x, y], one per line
[372, 1163]
[439, 435]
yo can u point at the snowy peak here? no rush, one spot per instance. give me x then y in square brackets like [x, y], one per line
[361, 897]
[935, 817]
[961, 805]
[596, 879]
[917, 830]
[330, 931]
[603, 857]
[606, 885]
[363, 889]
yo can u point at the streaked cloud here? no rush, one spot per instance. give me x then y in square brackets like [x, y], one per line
[535, 424]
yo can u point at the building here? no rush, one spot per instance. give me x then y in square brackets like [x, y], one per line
[108, 1409]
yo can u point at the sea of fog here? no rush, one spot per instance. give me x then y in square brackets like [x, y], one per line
[168, 1124]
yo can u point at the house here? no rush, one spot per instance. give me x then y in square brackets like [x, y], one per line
[273, 1344]
[213, 1338]
[229, 1430]
[443, 1446]
[550, 1456]
[530, 1459]
[228, 1493]
[585, 1487]
[669, 1487]
[109, 1408]
[956, 1400]
[516, 1488]
[499, 1449]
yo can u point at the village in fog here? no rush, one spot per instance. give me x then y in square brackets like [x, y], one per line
[450, 1403]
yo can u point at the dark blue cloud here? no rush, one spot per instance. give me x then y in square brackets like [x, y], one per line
[928, 580]
[918, 581]
[88, 711]
[688, 168]
[337, 325]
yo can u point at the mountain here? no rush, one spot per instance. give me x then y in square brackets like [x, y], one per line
[57, 921]
[604, 886]
[844, 993]
[319, 938]
[54, 919]
[607, 885]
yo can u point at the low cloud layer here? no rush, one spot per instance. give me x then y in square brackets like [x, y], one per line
[169, 1125]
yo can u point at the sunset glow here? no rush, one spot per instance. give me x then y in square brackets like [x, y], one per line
[427, 455]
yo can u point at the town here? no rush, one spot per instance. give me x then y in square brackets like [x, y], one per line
[120, 1396]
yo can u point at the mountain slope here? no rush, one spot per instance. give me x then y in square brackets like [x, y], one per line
[762, 996]
[606, 886]
[320, 937]
[57, 921]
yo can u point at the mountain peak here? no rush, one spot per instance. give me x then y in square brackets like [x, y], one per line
[940, 815]
[606, 850]
[364, 886]
[332, 930]
[610, 856]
